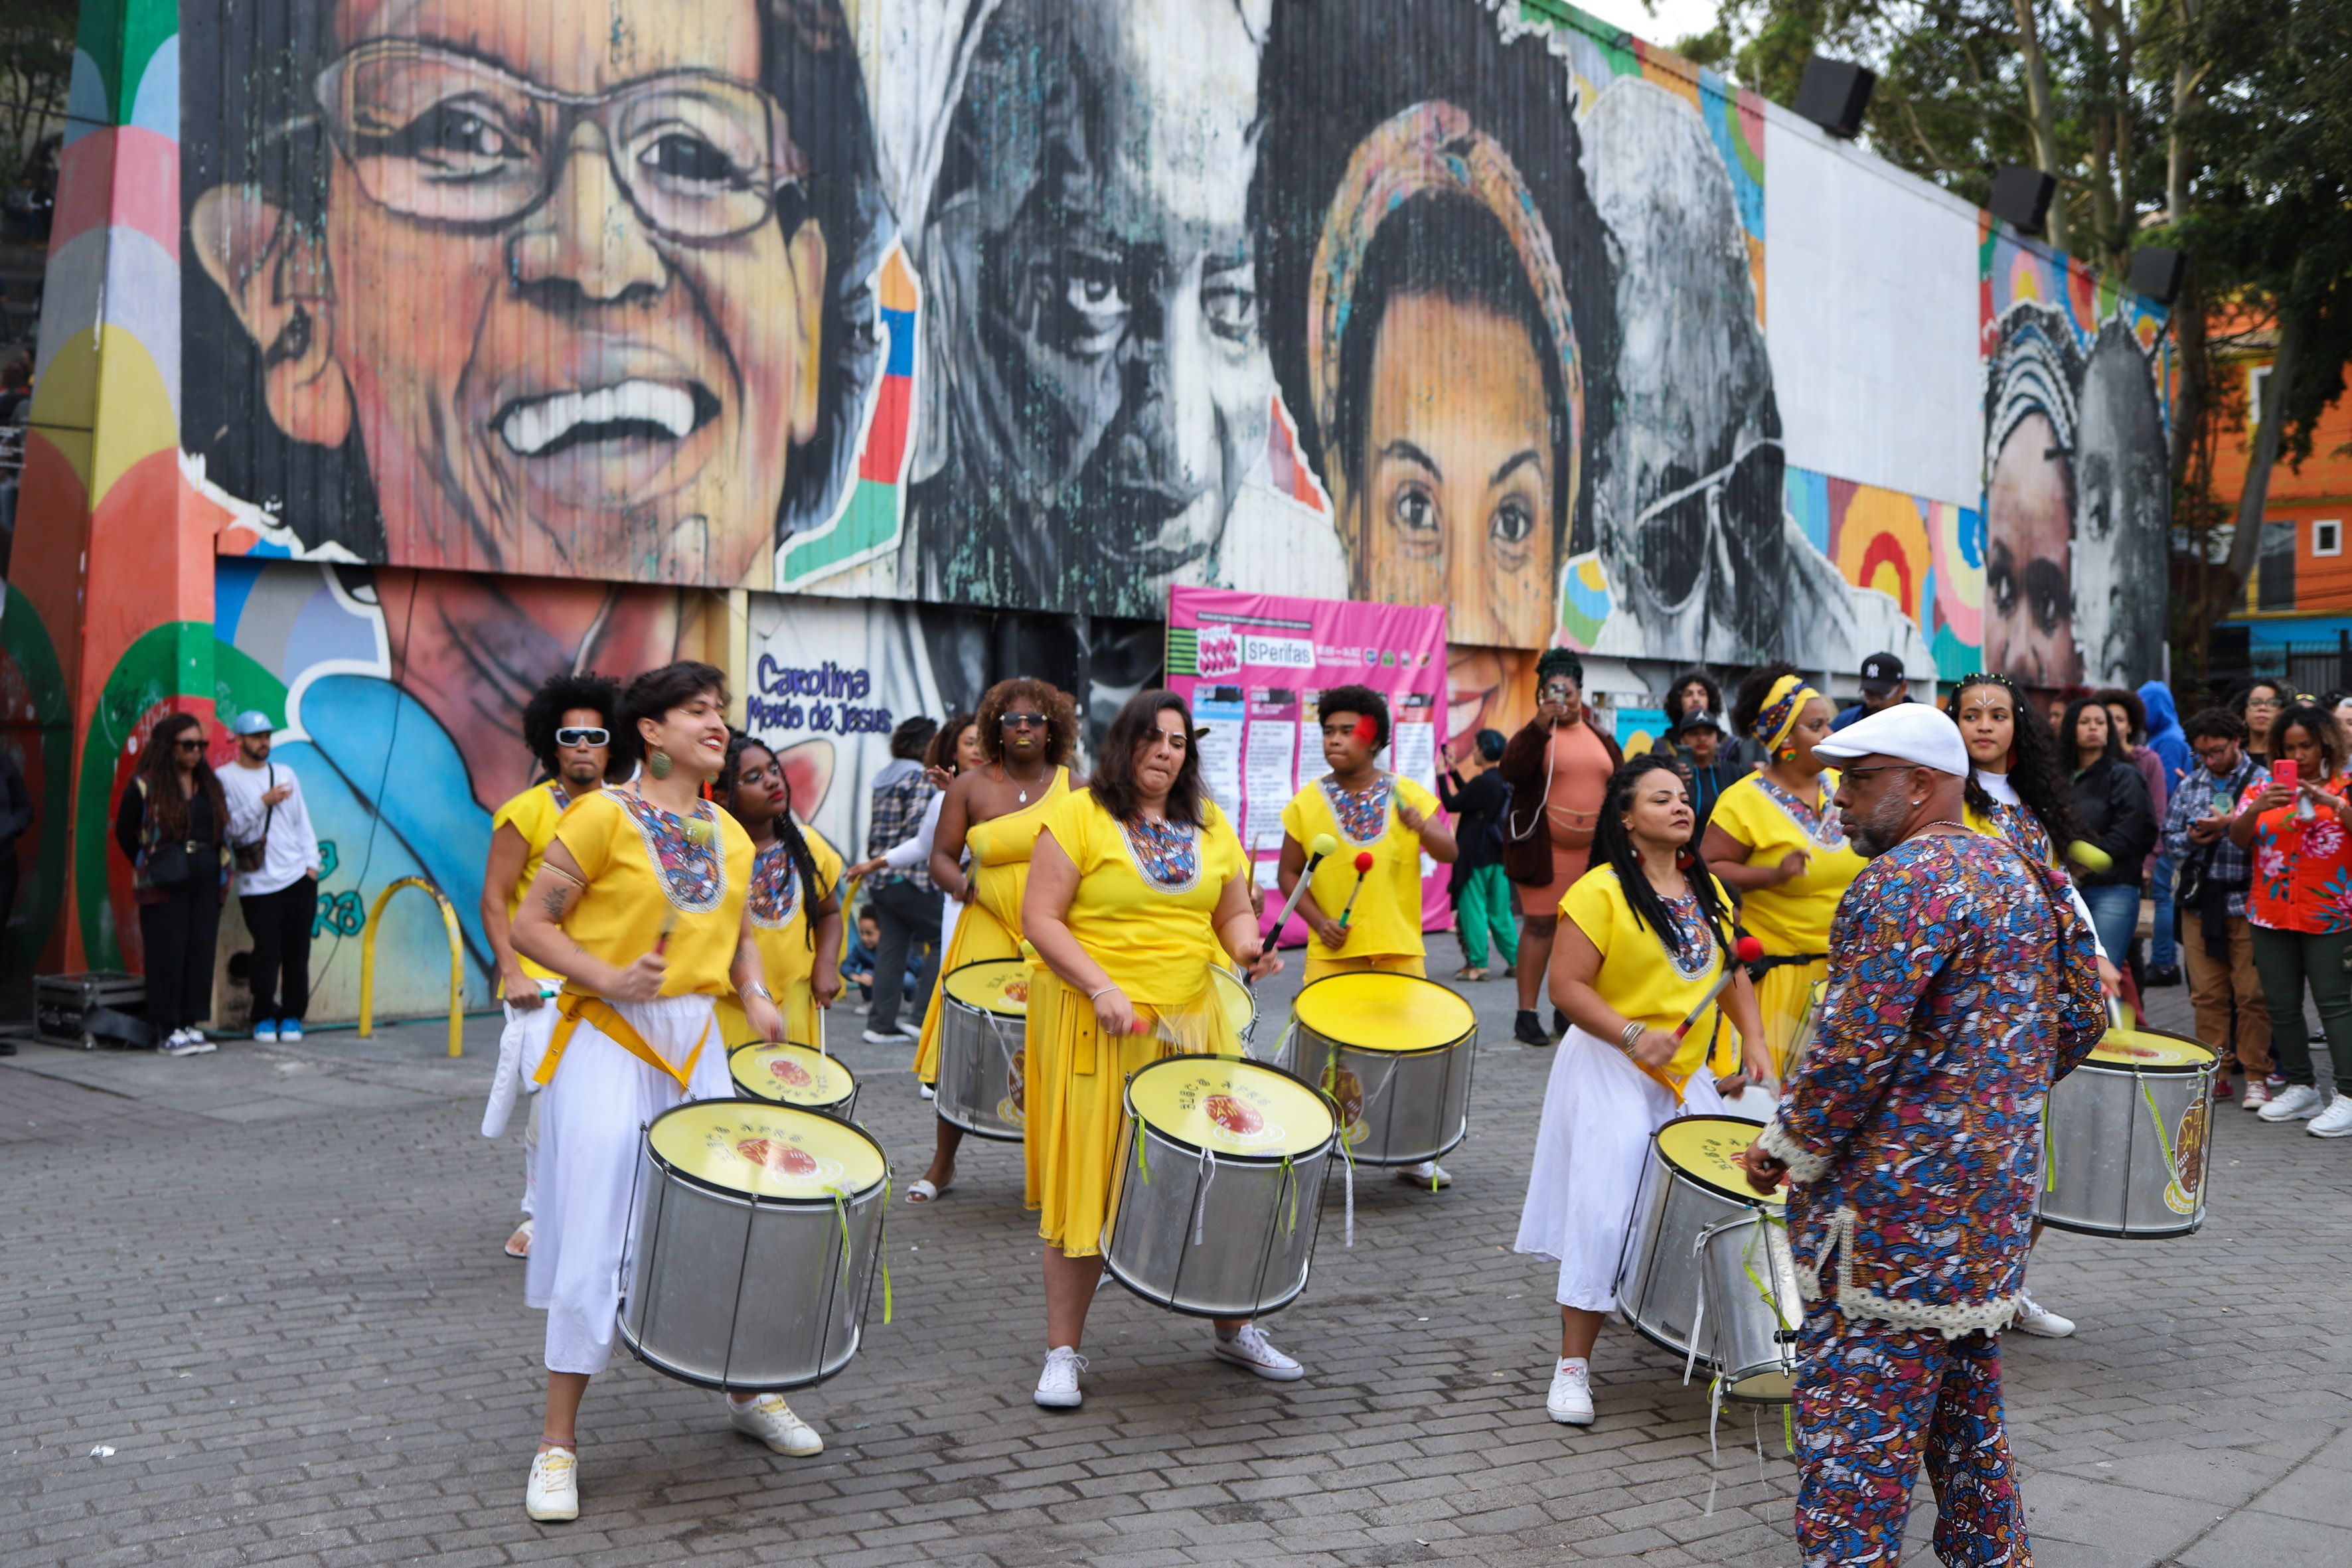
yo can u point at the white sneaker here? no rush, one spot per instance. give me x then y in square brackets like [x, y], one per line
[1250, 1348]
[2336, 1122]
[893, 1037]
[2295, 1102]
[926, 1091]
[1057, 1386]
[1429, 1173]
[2040, 1321]
[553, 1493]
[265, 1033]
[1569, 1403]
[2258, 1094]
[771, 1421]
[185, 1043]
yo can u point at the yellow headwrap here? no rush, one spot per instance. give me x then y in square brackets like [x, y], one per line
[1778, 715]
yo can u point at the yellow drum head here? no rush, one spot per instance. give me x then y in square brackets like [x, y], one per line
[790, 1075]
[1376, 1012]
[2148, 1049]
[766, 1150]
[1228, 1106]
[998, 985]
[1706, 1150]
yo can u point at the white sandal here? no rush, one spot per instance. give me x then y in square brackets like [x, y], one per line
[922, 1192]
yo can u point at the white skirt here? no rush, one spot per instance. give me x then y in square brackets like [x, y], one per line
[590, 1131]
[1599, 1111]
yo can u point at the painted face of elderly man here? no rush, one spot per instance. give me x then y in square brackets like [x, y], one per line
[1105, 386]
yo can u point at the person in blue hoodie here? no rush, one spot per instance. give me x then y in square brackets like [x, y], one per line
[2171, 747]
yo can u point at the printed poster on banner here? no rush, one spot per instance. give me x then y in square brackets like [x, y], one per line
[1254, 666]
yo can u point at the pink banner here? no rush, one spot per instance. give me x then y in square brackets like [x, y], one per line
[1252, 666]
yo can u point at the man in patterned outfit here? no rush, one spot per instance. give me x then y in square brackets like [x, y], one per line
[1962, 985]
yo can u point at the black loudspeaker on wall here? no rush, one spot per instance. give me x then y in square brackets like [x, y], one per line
[1835, 94]
[2157, 273]
[2020, 197]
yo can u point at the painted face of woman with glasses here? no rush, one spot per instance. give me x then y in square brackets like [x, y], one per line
[568, 293]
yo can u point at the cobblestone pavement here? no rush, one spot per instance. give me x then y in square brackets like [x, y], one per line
[269, 1281]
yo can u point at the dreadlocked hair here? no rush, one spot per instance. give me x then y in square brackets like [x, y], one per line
[1613, 846]
[814, 888]
[2034, 770]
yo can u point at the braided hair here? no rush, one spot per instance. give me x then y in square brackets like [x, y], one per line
[814, 889]
[1612, 845]
[2034, 770]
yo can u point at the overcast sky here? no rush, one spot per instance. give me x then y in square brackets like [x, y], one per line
[1660, 22]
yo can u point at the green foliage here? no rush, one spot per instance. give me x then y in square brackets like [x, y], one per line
[36, 45]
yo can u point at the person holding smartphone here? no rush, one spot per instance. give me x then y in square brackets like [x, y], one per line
[2215, 938]
[2295, 823]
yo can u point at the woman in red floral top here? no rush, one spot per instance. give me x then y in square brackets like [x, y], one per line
[2300, 906]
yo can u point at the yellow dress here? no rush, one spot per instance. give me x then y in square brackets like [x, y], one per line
[533, 813]
[990, 925]
[1384, 928]
[1794, 916]
[1650, 985]
[1156, 939]
[780, 928]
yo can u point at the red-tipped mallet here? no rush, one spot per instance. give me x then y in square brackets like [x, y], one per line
[1363, 864]
[1749, 950]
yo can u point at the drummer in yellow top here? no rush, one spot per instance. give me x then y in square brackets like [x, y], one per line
[1139, 888]
[1644, 935]
[1028, 733]
[1363, 920]
[641, 905]
[796, 896]
[1775, 839]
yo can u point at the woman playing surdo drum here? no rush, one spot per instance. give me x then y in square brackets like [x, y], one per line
[1642, 936]
[795, 894]
[1139, 885]
[641, 906]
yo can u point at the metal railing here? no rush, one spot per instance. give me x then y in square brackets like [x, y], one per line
[456, 962]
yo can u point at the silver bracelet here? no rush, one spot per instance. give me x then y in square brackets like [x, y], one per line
[1103, 992]
[1625, 1039]
[760, 988]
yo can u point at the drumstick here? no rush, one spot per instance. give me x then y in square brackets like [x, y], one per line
[1363, 865]
[1321, 846]
[1749, 950]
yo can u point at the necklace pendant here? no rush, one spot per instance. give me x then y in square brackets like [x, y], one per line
[1025, 797]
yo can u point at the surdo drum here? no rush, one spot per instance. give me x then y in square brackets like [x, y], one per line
[1747, 1279]
[793, 1074]
[1218, 1186]
[1393, 1051]
[1690, 1183]
[756, 1231]
[983, 1066]
[2124, 1137]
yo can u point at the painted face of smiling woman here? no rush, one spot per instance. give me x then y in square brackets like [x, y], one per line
[565, 294]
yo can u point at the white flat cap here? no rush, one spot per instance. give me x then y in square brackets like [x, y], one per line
[1908, 731]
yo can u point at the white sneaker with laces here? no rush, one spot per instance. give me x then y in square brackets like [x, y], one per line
[2295, 1102]
[2258, 1094]
[553, 1492]
[893, 1037]
[2336, 1122]
[2040, 1321]
[771, 1421]
[1428, 1174]
[185, 1043]
[1569, 1403]
[1057, 1386]
[1250, 1348]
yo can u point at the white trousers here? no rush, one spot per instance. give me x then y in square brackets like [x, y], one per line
[1599, 1111]
[591, 1132]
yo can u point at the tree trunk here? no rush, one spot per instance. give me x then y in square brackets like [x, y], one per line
[2045, 118]
[2246, 543]
[2192, 374]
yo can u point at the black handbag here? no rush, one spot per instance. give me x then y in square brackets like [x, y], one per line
[249, 857]
[170, 864]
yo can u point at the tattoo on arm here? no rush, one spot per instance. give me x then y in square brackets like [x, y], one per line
[554, 901]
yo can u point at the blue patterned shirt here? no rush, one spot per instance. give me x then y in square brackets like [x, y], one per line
[1962, 985]
[2193, 798]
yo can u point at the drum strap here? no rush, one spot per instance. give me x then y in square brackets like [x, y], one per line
[596, 1010]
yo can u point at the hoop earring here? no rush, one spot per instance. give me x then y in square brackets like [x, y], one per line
[659, 764]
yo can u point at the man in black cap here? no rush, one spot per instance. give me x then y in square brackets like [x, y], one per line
[1882, 686]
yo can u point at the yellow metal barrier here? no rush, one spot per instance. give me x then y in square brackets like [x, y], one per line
[456, 962]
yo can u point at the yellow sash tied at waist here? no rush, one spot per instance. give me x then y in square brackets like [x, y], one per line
[575, 1008]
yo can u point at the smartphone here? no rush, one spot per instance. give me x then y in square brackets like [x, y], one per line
[2284, 771]
[1555, 692]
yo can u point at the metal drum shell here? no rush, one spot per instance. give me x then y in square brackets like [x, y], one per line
[2109, 1170]
[1751, 1342]
[1147, 1241]
[1416, 1104]
[792, 1317]
[980, 1052]
[842, 1109]
[1658, 1274]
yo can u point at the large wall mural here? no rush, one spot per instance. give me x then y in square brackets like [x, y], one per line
[878, 349]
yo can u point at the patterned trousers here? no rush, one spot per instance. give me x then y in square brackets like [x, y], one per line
[1867, 1395]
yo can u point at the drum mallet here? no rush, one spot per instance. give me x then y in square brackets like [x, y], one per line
[1322, 846]
[1363, 866]
[1749, 950]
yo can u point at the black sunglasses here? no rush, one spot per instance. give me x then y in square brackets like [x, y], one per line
[1024, 721]
[584, 735]
[190, 745]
